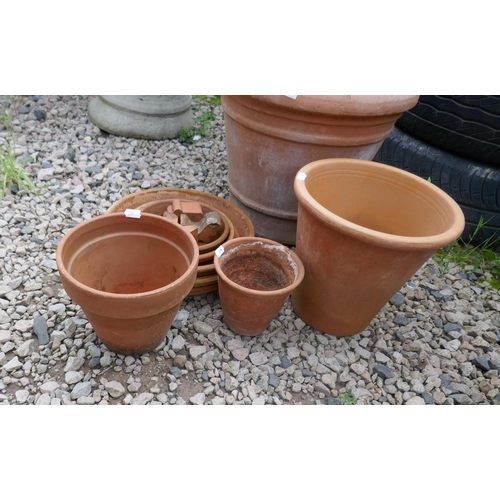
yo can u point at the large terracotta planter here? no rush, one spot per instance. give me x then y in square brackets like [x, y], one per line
[256, 276]
[363, 230]
[129, 276]
[269, 138]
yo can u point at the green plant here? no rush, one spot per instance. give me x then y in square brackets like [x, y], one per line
[213, 100]
[483, 256]
[347, 398]
[12, 170]
[202, 123]
[186, 135]
[230, 367]
[200, 129]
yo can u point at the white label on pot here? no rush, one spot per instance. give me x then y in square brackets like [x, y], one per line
[301, 176]
[219, 251]
[291, 96]
[134, 214]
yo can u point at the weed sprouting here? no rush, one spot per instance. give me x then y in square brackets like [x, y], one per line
[483, 256]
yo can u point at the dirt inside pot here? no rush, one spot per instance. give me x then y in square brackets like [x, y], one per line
[261, 267]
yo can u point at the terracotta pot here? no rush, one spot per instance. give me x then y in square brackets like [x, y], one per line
[129, 276]
[269, 138]
[363, 230]
[256, 275]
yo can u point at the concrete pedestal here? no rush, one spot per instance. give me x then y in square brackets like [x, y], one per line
[154, 117]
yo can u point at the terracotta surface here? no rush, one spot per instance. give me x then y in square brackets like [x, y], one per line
[129, 276]
[256, 275]
[363, 230]
[269, 138]
[157, 199]
[242, 224]
[158, 207]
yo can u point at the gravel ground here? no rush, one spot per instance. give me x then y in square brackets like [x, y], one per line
[435, 342]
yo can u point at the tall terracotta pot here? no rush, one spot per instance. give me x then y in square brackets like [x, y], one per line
[256, 276]
[269, 138]
[129, 276]
[363, 230]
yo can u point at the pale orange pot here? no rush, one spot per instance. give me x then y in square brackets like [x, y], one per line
[363, 231]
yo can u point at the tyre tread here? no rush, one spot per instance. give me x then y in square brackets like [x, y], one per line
[475, 186]
[468, 125]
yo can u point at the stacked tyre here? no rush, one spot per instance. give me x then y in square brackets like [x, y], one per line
[454, 141]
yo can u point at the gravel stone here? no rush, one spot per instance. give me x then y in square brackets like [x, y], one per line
[13, 365]
[74, 363]
[202, 328]
[178, 343]
[285, 362]
[482, 363]
[26, 348]
[176, 372]
[198, 399]
[383, 371]
[81, 389]
[73, 377]
[142, 399]
[49, 387]
[197, 351]
[44, 399]
[436, 341]
[240, 354]
[398, 299]
[22, 396]
[23, 325]
[5, 336]
[115, 389]
[416, 400]
[258, 358]
[40, 329]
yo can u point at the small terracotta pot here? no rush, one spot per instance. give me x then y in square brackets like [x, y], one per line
[363, 230]
[256, 275]
[129, 276]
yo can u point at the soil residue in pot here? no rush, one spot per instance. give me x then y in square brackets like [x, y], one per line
[258, 272]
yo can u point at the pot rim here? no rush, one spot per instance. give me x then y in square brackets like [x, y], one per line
[380, 238]
[244, 240]
[236, 215]
[125, 296]
[333, 105]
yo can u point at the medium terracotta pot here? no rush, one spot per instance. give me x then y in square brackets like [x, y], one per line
[129, 276]
[269, 138]
[363, 230]
[256, 275]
